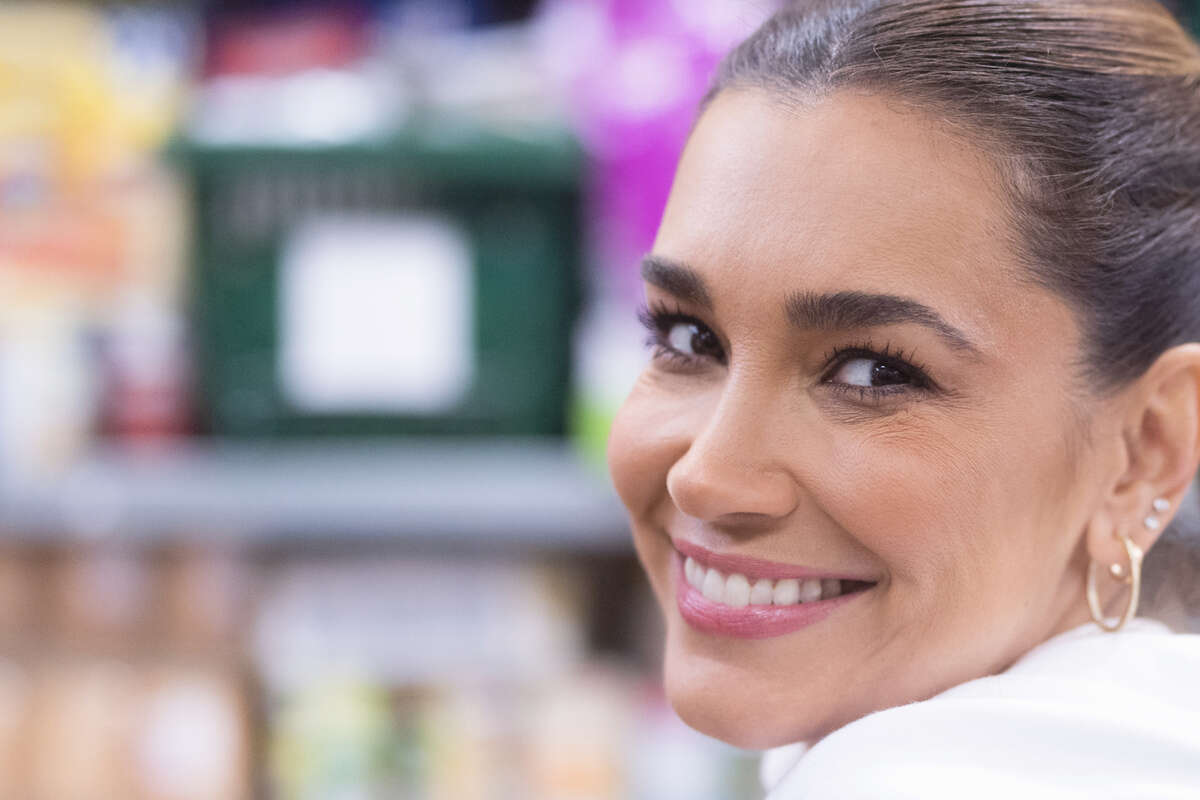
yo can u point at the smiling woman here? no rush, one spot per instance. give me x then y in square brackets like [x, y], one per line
[925, 385]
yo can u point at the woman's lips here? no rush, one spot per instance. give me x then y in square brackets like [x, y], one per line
[744, 618]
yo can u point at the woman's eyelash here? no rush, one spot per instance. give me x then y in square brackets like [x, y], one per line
[658, 319]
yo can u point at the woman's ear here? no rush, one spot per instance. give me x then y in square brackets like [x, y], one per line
[1161, 443]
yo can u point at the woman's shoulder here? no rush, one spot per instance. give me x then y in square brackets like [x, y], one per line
[1082, 715]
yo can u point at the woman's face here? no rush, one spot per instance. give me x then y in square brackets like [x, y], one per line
[851, 381]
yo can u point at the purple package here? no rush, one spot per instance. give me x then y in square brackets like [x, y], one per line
[636, 72]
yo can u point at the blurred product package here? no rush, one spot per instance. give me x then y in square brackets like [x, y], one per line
[88, 218]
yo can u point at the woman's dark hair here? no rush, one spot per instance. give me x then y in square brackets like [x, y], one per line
[1090, 110]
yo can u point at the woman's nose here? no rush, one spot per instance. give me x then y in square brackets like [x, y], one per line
[734, 465]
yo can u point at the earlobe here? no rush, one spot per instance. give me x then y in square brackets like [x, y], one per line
[1104, 534]
[1105, 545]
[1102, 543]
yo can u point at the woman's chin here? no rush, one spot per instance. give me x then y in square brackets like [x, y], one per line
[712, 699]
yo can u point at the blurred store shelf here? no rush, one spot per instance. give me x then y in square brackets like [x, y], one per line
[488, 494]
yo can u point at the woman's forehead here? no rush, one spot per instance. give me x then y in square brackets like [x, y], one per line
[849, 193]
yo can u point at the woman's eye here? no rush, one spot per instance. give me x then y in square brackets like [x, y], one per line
[870, 373]
[691, 339]
[678, 339]
[867, 375]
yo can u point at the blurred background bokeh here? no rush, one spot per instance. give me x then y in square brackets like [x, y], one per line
[313, 317]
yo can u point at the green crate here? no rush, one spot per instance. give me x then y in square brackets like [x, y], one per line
[516, 198]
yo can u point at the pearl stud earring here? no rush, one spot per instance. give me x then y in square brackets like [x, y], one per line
[1160, 505]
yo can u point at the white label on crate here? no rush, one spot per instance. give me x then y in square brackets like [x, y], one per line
[376, 315]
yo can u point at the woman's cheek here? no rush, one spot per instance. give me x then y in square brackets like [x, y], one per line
[901, 496]
[652, 430]
[636, 451]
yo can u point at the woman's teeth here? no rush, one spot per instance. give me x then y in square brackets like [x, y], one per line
[736, 590]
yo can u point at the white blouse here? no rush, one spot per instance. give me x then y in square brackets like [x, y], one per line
[1085, 714]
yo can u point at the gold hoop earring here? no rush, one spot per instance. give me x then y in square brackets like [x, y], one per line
[1133, 580]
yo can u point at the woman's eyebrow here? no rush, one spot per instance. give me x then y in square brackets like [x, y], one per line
[812, 310]
[678, 279]
[846, 310]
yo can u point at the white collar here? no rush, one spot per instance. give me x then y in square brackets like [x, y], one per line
[778, 761]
